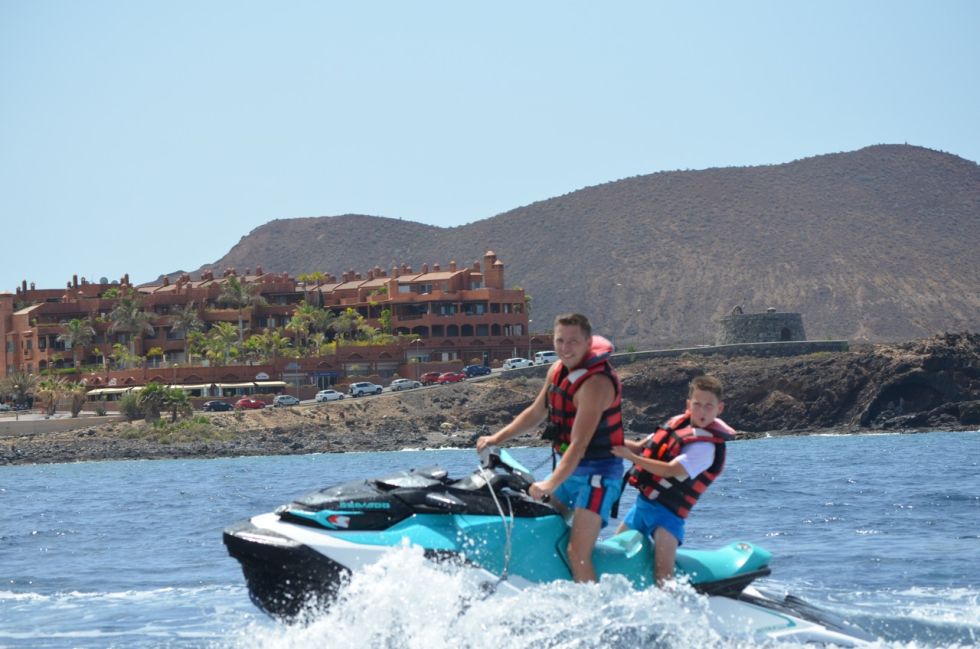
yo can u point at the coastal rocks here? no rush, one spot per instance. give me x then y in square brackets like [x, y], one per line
[928, 384]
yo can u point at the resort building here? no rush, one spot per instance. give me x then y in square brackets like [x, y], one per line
[436, 317]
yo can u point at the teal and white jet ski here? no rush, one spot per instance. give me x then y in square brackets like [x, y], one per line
[298, 557]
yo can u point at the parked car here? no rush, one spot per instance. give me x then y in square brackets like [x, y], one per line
[248, 403]
[5, 407]
[545, 358]
[429, 378]
[364, 387]
[217, 405]
[328, 395]
[514, 363]
[404, 384]
[476, 370]
[285, 400]
[451, 377]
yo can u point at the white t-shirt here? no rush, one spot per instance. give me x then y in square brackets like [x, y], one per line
[697, 457]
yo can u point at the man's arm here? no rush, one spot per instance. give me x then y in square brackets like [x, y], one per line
[530, 417]
[591, 400]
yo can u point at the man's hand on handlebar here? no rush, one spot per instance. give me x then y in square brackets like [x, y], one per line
[540, 491]
[484, 441]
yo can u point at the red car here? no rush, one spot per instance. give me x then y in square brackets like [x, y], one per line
[248, 403]
[429, 378]
[451, 377]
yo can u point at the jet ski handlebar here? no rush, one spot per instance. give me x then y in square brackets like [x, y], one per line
[517, 477]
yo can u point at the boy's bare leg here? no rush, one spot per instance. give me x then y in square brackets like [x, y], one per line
[665, 554]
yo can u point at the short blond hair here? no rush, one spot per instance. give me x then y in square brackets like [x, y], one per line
[706, 383]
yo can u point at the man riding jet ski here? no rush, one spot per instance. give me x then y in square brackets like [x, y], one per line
[297, 558]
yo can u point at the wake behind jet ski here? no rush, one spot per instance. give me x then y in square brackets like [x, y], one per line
[297, 558]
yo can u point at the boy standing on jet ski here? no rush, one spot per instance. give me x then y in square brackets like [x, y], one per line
[581, 401]
[673, 467]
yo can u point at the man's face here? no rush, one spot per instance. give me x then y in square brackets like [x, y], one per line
[704, 406]
[571, 344]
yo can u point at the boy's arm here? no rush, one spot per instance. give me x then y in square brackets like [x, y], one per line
[635, 445]
[672, 469]
[697, 457]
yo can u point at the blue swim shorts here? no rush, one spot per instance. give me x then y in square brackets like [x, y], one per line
[592, 492]
[645, 516]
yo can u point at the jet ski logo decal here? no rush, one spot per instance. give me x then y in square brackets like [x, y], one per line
[355, 505]
[339, 520]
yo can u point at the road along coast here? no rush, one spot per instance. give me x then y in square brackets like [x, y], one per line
[929, 384]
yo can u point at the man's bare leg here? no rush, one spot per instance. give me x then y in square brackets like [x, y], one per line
[581, 542]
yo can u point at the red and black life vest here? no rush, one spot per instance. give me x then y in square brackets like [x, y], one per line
[561, 407]
[679, 496]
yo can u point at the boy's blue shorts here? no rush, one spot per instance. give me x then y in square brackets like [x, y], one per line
[645, 516]
[592, 492]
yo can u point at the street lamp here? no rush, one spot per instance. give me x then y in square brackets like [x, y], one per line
[529, 338]
[418, 357]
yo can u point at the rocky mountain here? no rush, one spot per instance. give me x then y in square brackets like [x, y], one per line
[879, 244]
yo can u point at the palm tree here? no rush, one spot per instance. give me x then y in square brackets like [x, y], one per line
[78, 394]
[276, 343]
[349, 324]
[317, 341]
[151, 400]
[301, 323]
[129, 317]
[185, 322]
[77, 333]
[240, 295]
[49, 392]
[20, 385]
[310, 282]
[177, 403]
[221, 340]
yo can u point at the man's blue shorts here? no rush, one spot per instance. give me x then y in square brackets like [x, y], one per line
[645, 516]
[593, 492]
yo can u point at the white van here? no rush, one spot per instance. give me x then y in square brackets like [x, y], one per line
[545, 358]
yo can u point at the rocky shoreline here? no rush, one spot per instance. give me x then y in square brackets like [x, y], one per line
[931, 384]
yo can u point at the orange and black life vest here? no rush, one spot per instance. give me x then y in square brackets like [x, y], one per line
[679, 496]
[561, 407]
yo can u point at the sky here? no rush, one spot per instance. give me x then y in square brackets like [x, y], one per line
[148, 137]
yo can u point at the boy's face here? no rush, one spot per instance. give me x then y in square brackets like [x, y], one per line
[571, 344]
[704, 406]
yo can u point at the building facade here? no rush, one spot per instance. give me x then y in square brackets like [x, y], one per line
[437, 317]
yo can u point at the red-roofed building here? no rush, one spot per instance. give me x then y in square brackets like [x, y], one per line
[440, 318]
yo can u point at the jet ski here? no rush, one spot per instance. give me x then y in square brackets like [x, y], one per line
[297, 559]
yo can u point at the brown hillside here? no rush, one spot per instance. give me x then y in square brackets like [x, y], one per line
[878, 244]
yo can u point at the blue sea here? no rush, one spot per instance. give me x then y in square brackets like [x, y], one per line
[882, 529]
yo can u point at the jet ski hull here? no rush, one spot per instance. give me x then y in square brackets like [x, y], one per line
[297, 559]
[285, 578]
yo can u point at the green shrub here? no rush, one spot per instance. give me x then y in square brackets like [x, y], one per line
[129, 406]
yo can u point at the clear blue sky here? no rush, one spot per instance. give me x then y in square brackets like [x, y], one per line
[147, 137]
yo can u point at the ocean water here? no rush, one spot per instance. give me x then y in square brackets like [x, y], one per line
[883, 529]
